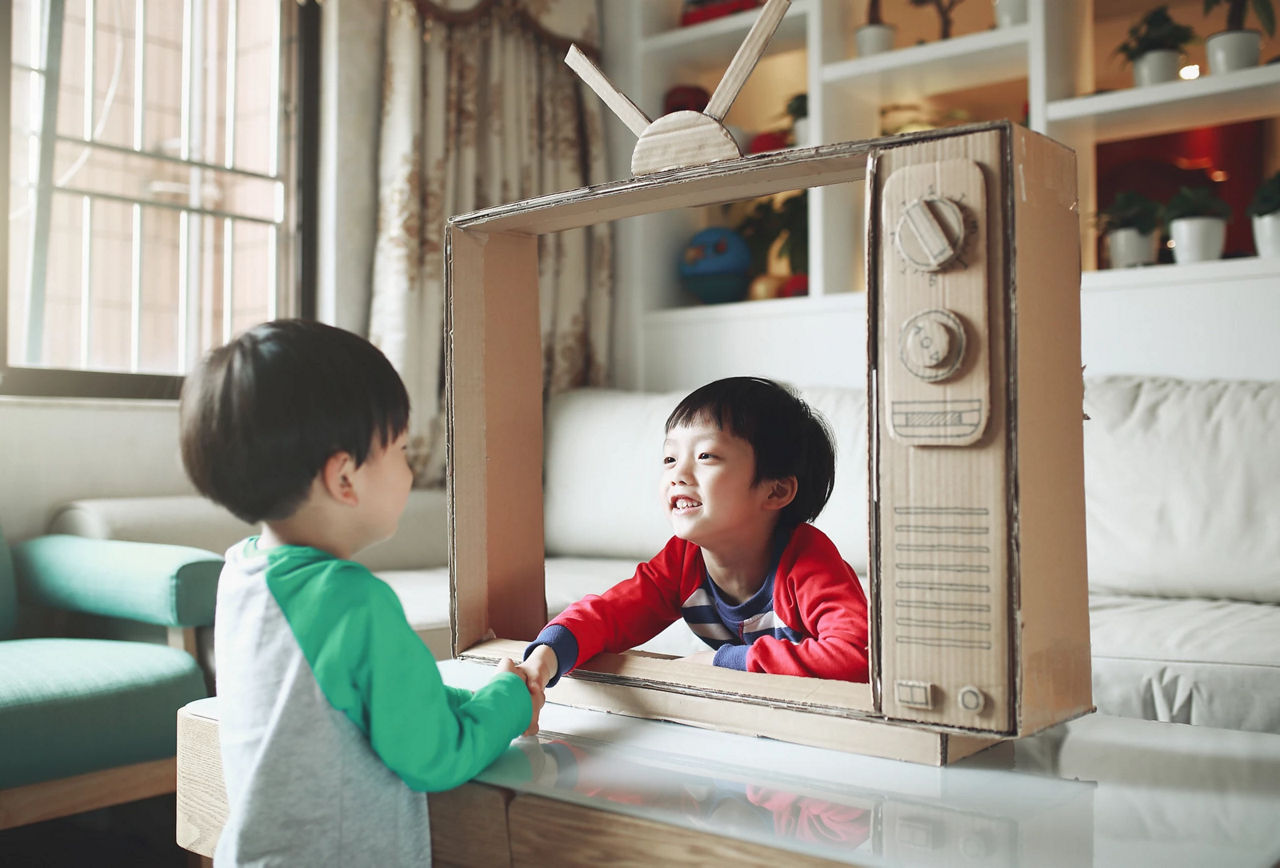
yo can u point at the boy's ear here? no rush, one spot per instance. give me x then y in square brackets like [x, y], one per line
[338, 478]
[781, 492]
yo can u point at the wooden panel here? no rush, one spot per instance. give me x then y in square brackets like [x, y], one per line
[202, 793]
[469, 826]
[546, 832]
[20, 806]
[494, 354]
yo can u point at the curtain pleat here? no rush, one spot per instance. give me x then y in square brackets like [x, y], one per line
[479, 109]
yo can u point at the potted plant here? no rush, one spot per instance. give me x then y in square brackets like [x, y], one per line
[1154, 47]
[1236, 47]
[1130, 225]
[875, 36]
[798, 111]
[781, 227]
[944, 8]
[1010, 13]
[1264, 213]
[1197, 223]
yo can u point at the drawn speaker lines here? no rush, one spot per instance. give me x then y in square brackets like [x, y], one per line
[942, 574]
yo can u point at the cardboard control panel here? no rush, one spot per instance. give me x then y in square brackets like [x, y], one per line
[943, 583]
[935, 292]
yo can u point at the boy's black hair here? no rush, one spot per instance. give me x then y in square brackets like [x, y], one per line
[789, 438]
[260, 416]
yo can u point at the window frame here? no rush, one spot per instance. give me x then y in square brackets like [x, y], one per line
[20, 380]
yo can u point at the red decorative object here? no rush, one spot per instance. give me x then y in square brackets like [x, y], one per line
[685, 98]
[797, 284]
[695, 13]
[770, 141]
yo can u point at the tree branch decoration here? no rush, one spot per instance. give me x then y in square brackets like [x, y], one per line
[944, 9]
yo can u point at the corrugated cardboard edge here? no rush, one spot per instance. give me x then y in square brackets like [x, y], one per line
[774, 706]
[1051, 579]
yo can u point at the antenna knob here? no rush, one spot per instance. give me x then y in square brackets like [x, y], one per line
[930, 232]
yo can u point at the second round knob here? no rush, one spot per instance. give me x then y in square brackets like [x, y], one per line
[931, 344]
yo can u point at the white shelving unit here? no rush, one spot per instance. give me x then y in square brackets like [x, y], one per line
[666, 340]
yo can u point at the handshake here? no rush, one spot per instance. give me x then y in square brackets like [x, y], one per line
[535, 672]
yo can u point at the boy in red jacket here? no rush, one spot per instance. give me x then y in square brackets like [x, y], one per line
[746, 465]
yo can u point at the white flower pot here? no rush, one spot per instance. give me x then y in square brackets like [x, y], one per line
[1129, 247]
[800, 132]
[1233, 49]
[873, 39]
[1011, 13]
[1266, 235]
[1156, 67]
[1198, 239]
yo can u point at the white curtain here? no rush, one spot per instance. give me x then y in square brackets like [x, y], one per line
[479, 109]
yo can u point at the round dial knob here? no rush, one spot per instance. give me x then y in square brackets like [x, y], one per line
[931, 344]
[930, 232]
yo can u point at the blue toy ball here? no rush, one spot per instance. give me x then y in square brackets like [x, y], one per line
[715, 264]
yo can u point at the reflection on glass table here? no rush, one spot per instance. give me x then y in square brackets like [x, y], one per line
[1095, 791]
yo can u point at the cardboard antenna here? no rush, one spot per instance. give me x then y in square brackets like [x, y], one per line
[685, 138]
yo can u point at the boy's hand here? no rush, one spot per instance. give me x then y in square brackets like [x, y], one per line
[706, 658]
[541, 666]
[537, 694]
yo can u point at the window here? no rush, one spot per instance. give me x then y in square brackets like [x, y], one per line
[151, 194]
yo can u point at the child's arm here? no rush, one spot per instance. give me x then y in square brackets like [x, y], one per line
[372, 667]
[629, 614]
[824, 595]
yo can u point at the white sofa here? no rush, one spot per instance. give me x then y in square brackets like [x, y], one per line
[1183, 498]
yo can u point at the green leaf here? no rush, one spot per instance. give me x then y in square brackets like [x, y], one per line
[1266, 15]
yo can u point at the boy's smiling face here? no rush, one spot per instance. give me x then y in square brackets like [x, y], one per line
[708, 486]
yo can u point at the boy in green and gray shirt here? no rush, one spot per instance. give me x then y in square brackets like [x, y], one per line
[334, 718]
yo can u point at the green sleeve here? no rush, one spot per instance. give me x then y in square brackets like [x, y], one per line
[372, 667]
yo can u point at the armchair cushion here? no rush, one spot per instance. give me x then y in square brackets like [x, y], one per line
[72, 706]
[174, 586]
[8, 597]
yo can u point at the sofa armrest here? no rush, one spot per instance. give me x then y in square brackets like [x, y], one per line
[173, 586]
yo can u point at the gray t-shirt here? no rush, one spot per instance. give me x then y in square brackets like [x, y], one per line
[334, 719]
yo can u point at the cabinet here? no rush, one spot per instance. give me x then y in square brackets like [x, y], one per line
[1048, 66]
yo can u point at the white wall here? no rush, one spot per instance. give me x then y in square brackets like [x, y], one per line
[56, 450]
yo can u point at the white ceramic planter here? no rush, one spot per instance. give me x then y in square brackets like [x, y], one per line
[1156, 67]
[873, 39]
[1010, 13]
[1233, 49]
[1129, 247]
[1198, 239]
[800, 132]
[1266, 235]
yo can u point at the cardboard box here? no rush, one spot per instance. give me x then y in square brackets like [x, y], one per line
[977, 451]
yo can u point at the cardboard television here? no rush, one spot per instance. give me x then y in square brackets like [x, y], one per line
[979, 609]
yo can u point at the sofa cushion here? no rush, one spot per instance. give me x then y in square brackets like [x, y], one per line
[603, 460]
[1182, 487]
[424, 594]
[1209, 662]
[421, 541]
[71, 706]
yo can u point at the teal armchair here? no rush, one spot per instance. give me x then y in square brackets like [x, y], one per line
[87, 723]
